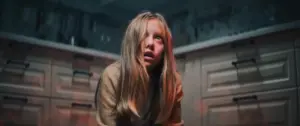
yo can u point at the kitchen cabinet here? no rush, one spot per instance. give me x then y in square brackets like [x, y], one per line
[45, 86]
[73, 112]
[23, 110]
[191, 103]
[253, 109]
[74, 83]
[22, 71]
[231, 75]
[25, 77]
[76, 76]
[253, 81]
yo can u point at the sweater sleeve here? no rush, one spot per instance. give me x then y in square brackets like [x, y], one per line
[175, 117]
[106, 113]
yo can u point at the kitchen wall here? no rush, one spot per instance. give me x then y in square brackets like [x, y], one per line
[216, 18]
[56, 22]
[200, 21]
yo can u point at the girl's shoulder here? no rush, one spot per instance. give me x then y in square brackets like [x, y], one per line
[112, 70]
[110, 76]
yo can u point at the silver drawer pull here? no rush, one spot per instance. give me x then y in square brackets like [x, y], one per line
[26, 65]
[80, 105]
[235, 63]
[90, 74]
[17, 99]
[237, 99]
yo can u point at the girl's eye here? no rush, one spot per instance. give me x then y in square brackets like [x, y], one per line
[158, 37]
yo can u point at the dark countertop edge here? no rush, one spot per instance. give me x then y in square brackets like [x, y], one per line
[228, 39]
[55, 45]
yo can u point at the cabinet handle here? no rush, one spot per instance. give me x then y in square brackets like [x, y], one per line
[26, 65]
[90, 74]
[237, 99]
[240, 44]
[9, 98]
[235, 63]
[80, 105]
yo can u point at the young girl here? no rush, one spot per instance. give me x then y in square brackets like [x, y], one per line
[143, 88]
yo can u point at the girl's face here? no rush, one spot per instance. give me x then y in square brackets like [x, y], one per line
[154, 44]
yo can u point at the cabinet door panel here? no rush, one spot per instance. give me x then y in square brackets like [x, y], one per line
[23, 110]
[273, 70]
[74, 84]
[24, 76]
[73, 113]
[75, 76]
[267, 108]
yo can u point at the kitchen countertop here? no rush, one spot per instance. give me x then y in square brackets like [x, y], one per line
[177, 51]
[52, 44]
[228, 39]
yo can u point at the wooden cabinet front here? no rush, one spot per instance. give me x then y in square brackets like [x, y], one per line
[75, 76]
[23, 72]
[74, 83]
[249, 69]
[254, 109]
[20, 110]
[73, 113]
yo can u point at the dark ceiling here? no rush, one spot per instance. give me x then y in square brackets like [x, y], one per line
[124, 10]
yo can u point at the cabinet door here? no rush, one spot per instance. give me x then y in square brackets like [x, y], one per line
[73, 113]
[256, 109]
[76, 76]
[227, 73]
[21, 72]
[191, 102]
[23, 110]
[74, 83]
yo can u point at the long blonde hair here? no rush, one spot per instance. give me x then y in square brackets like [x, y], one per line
[134, 77]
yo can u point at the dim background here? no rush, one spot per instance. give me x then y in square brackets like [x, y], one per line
[101, 23]
[239, 59]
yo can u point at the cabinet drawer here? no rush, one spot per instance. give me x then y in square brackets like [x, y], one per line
[227, 74]
[75, 76]
[73, 83]
[73, 113]
[25, 76]
[267, 108]
[22, 110]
